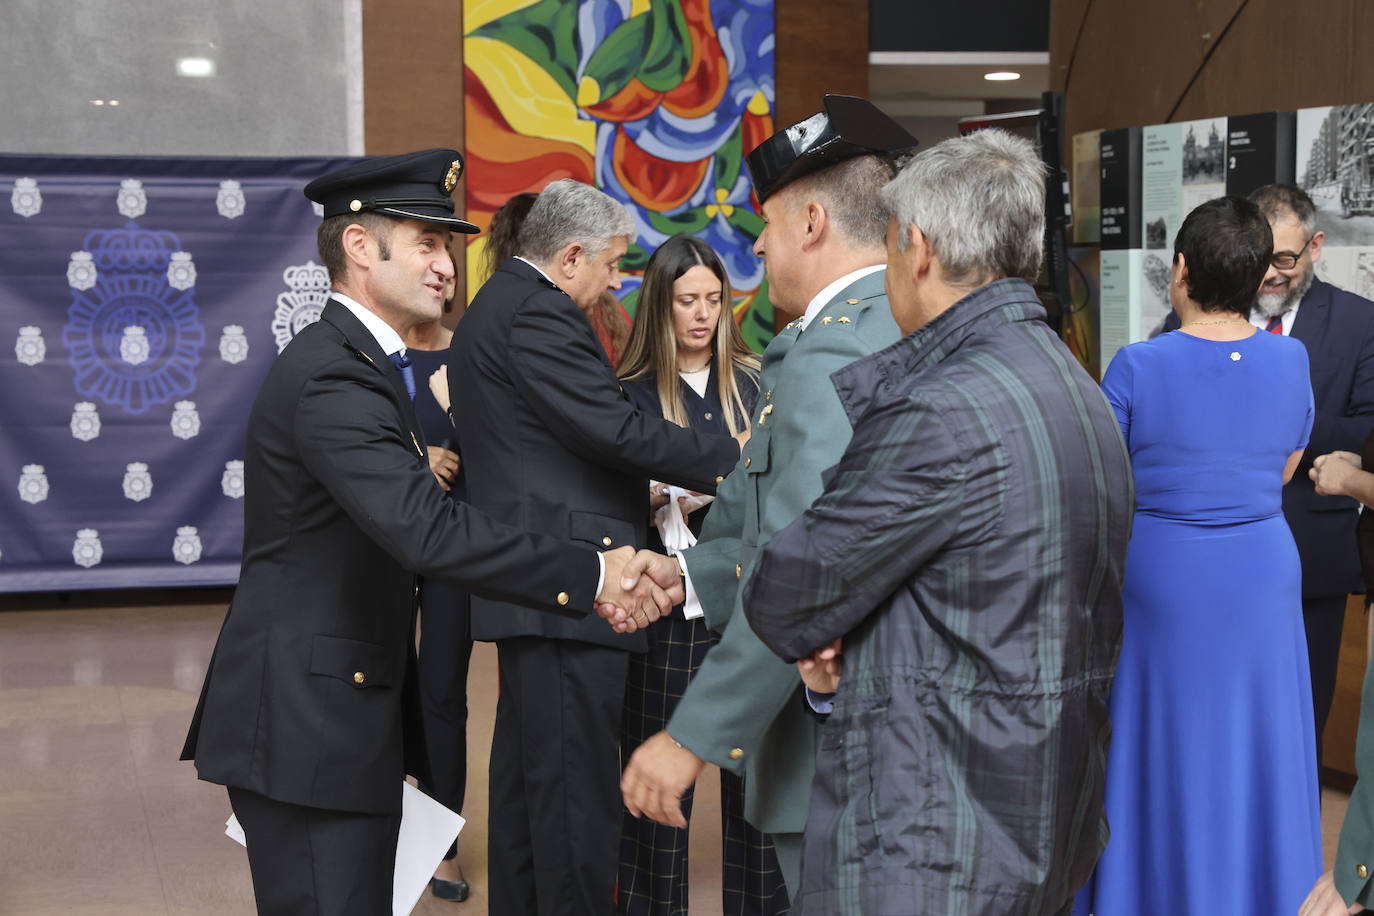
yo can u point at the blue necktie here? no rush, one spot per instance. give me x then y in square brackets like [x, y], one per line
[402, 364]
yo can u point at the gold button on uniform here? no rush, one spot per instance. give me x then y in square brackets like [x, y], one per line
[358, 677]
[748, 461]
[737, 570]
[852, 301]
[738, 752]
[606, 540]
[563, 598]
[719, 479]
[355, 205]
[1361, 871]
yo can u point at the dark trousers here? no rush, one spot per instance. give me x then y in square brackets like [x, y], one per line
[653, 856]
[308, 861]
[1323, 618]
[555, 778]
[445, 653]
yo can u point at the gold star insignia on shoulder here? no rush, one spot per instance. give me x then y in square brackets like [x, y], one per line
[826, 320]
[843, 319]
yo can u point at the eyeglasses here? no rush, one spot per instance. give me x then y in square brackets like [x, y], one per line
[1285, 261]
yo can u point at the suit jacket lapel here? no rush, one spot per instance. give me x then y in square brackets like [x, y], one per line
[1313, 316]
[360, 340]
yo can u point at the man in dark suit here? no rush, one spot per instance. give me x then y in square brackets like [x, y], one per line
[549, 439]
[309, 713]
[1338, 329]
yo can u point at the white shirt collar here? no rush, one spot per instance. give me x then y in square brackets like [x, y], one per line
[385, 334]
[538, 268]
[1289, 317]
[830, 292]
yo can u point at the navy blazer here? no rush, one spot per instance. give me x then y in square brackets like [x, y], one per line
[311, 697]
[704, 414]
[1338, 329]
[550, 441]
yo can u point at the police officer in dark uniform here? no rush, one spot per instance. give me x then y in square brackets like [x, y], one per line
[310, 713]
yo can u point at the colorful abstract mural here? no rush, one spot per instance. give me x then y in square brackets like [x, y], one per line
[656, 102]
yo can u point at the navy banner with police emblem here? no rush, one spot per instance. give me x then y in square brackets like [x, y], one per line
[145, 299]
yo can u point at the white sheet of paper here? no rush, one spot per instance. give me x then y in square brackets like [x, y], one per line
[427, 831]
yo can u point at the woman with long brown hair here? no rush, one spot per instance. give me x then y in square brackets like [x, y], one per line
[687, 361]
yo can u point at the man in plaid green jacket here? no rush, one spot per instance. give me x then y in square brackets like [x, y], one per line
[969, 551]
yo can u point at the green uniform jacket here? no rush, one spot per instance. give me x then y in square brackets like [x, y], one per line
[1354, 870]
[745, 710]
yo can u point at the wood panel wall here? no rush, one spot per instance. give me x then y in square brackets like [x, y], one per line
[1127, 64]
[821, 47]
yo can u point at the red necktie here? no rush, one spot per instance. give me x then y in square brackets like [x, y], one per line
[1275, 325]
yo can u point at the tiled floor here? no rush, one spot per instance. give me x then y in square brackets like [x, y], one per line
[97, 816]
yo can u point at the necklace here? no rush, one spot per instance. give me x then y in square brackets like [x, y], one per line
[1218, 322]
[694, 371]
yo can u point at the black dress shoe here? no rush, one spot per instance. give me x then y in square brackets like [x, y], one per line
[450, 890]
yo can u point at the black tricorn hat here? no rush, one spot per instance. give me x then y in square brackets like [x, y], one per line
[410, 186]
[849, 127]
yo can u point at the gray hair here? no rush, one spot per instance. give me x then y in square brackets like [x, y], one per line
[1279, 201]
[980, 202]
[569, 211]
[851, 193]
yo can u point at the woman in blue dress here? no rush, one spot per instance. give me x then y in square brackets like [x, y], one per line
[687, 361]
[1211, 778]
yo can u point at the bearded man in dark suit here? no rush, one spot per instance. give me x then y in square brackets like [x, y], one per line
[549, 439]
[310, 712]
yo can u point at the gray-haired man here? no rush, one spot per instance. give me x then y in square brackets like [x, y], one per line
[968, 550]
[548, 437]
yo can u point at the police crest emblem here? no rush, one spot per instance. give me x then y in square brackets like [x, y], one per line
[133, 337]
[86, 549]
[300, 305]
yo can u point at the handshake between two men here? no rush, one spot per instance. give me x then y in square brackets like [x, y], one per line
[638, 588]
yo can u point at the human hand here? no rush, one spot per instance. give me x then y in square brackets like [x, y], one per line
[1325, 900]
[659, 772]
[438, 386]
[639, 588]
[658, 498]
[444, 464]
[1333, 473]
[821, 669]
[1351, 457]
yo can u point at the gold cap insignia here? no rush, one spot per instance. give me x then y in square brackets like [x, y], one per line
[355, 205]
[451, 178]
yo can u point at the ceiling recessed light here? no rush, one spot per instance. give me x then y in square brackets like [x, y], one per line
[1001, 76]
[114, 101]
[195, 66]
[97, 101]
